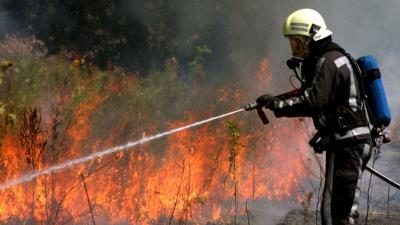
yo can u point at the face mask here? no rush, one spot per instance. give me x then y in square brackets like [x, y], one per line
[298, 47]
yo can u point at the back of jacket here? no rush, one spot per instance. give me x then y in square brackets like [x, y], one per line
[330, 95]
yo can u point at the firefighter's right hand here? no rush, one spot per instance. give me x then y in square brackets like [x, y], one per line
[266, 100]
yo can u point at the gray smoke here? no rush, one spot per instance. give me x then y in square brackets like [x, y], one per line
[253, 31]
[361, 27]
[370, 27]
[6, 24]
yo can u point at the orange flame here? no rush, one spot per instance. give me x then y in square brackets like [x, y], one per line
[187, 177]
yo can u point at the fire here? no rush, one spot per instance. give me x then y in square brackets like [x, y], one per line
[79, 131]
[263, 76]
[189, 176]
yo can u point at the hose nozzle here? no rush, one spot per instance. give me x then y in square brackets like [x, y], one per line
[260, 112]
[250, 107]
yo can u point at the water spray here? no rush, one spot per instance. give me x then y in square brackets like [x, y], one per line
[74, 162]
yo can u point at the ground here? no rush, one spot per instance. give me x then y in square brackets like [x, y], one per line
[384, 202]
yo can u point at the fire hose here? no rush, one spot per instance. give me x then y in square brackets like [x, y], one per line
[383, 177]
[264, 119]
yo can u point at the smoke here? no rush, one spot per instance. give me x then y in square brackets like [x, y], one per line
[370, 27]
[361, 27]
[243, 32]
[6, 24]
[240, 33]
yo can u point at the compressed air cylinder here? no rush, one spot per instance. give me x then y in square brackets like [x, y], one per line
[377, 101]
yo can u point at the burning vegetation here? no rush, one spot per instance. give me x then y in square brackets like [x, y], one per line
[78, 78]
[65, 110]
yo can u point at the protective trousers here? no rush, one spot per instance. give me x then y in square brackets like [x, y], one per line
[345, 164]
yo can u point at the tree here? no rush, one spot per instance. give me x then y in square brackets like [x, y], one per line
[139, 35]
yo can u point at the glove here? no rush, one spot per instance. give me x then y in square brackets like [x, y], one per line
[266, 100]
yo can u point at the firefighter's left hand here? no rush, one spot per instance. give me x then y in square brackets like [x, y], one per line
[266, 100]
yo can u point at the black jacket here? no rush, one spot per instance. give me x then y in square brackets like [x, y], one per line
[330, 94]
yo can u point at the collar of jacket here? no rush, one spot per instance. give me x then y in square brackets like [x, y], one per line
[317, 48]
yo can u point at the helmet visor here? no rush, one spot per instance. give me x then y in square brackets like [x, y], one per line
[296, 45]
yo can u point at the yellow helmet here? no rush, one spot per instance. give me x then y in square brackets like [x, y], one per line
[307, 22]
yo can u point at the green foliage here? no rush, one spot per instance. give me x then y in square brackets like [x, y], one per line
[139, 35]
[197, 63]
[8, 119]
[2, 109]
[121, 95]
[233, 131]
[102, 30]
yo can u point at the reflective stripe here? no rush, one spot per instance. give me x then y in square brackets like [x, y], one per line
[306, 95]
[339, 62]
[288, 102]
[300, 29]
[281, 103]
[353, 133]
[356, 200]
[353, 90]
[299, 24]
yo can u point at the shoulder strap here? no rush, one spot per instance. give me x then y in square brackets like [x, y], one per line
[361, 84]
[359, 75]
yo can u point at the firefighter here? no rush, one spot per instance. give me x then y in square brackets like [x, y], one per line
[331, 96]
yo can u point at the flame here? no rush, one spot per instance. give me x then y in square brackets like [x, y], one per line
[189, 176]
[263, 76]
[79, 131]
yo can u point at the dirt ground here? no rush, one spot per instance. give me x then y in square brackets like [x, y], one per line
[384, 202]
[297, 217]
